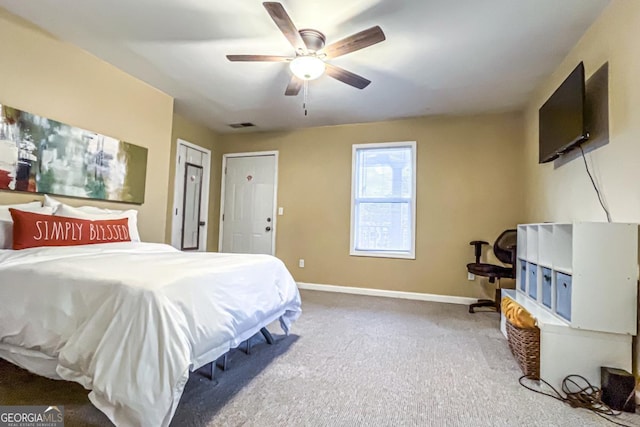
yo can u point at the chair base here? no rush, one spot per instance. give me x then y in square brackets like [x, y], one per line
[483, 303]
[487, 302]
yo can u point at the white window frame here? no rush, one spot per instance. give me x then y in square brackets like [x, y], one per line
[411, 254]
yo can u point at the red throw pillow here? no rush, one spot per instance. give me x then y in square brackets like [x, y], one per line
[31, 230]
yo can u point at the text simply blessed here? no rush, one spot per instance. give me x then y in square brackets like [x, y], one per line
[57, 230]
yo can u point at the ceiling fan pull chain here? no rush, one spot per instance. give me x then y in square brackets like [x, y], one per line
[305, 95]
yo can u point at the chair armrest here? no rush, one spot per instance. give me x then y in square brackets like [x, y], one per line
[478, 242]
[478, 251]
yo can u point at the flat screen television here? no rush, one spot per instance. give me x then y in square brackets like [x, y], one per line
[562, 117]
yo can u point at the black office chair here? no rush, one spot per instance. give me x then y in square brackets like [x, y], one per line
[504, 249]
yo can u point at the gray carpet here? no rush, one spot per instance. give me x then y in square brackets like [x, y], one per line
[351, 361]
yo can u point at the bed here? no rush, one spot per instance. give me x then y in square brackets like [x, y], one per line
[130, 320]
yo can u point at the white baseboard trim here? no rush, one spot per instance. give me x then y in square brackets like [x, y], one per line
[388, 294]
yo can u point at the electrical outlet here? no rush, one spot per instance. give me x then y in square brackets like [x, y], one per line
[471, 276]
[280, 210]
[301, 263]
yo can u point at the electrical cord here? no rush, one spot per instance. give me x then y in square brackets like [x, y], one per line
[577, 396]
[606, 211]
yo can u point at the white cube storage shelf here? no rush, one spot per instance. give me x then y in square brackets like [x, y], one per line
[579, 281]
[584, 273]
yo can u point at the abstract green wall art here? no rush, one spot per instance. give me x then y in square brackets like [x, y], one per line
[40, 155]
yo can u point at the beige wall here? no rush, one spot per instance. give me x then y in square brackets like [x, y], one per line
[53, 79]
[468, 187]
[198, 134]
[566, 193]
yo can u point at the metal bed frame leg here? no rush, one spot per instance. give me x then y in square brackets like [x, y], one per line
[222, 361]
[212, 372]
[212, 369]
[267, 335]
[222, 365]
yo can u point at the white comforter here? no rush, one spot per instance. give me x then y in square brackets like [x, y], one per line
[129, 320]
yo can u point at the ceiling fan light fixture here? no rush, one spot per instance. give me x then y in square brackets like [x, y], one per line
[307, 67]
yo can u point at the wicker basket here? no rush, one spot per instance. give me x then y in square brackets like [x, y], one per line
[525, 347]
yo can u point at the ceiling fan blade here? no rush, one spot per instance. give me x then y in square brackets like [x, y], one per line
[294, 86]
[284, 22]
[347, 77]
[259, 58]
[354, 42]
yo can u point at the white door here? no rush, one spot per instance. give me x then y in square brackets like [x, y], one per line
[191, 197]
[248, 200]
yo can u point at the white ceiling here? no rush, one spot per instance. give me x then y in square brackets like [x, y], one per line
[440, 56]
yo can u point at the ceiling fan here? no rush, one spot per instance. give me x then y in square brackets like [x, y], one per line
[311, 55]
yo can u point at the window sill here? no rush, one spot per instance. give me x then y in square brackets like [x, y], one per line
[400, 255]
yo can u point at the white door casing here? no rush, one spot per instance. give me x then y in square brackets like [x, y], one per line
[196, 161]
[248, 202]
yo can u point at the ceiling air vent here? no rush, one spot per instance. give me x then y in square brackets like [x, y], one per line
[242, 125]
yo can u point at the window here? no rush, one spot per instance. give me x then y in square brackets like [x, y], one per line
[383, 200]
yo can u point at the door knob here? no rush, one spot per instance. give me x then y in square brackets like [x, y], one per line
[268, 228]
[268, 219]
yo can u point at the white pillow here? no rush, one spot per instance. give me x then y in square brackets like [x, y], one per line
[51, 202]
[6, 222]
[95, 210]
[55, 203]
[4, 209]
[81, 213]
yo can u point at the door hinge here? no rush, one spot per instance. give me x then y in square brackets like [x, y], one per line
[223, 217]
[179, 159]
[176, 211]
[225, 170]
